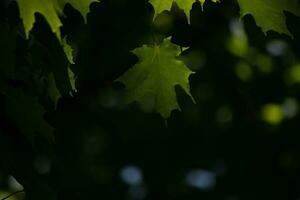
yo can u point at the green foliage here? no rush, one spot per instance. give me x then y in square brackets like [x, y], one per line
[160, 6]
[269, 14]
[50, 9]
[152, 81]
[237, 89]
[185, 5]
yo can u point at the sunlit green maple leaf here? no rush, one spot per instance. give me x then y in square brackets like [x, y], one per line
[269, 14]
[50, 9]
[161, 5]
[151, 82]
[185, 5]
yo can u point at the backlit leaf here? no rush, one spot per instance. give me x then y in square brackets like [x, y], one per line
[152, 81]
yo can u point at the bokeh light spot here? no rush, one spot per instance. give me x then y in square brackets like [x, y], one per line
[272, 113]
[201, 179]
[132, 175]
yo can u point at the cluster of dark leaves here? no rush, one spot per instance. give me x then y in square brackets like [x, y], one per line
[90, 135]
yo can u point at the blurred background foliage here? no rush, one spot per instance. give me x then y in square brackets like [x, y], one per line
[239, 141]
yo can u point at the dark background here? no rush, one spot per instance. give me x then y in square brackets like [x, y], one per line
[222, 147]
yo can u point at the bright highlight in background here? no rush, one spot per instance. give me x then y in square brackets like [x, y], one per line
[201, 179]
[131, 175]
[272, 113]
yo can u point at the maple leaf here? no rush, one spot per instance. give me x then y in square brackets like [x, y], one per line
[185, 5]
[152, 81]
[269, 14]
[161, 5]
[50, 9]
